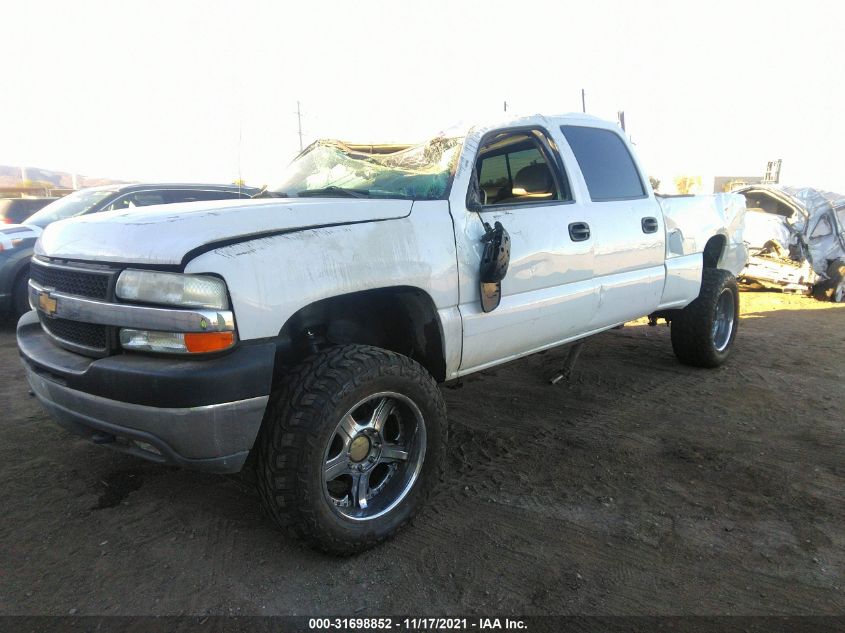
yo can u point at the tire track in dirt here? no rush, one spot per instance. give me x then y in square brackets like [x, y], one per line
[640, 487]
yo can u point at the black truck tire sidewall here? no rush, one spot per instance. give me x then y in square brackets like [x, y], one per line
[301, 420]
[692, 327]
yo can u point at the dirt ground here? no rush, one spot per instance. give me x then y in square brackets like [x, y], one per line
[642, 487]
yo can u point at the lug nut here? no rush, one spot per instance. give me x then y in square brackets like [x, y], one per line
[372, 458]
[360, 468]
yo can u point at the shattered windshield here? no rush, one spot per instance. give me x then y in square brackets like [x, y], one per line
[332, 168]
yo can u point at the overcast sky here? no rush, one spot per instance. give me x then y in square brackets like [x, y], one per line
[207, 90]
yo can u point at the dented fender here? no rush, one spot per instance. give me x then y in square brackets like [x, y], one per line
[272, 278]
[691, 221]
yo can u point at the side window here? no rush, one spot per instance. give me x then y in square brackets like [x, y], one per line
[188, 195]
[513, 168]
[493, 174]
[137, 199]
[823, 228]
[606, 163]
[22, 211]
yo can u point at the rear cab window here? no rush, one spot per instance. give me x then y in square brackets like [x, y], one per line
[608, 167]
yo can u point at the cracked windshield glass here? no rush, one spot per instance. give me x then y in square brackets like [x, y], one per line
[411, 172]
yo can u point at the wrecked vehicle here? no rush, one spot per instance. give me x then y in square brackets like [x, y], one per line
[796, 238]
[300, 337]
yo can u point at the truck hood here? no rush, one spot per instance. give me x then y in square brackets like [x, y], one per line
[167, 234]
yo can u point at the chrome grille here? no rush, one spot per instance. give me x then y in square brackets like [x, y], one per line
[73, 281]
[89, 335]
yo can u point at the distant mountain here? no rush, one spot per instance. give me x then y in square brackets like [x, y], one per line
[11, 177]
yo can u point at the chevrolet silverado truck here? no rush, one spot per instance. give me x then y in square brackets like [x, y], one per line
[302, 335]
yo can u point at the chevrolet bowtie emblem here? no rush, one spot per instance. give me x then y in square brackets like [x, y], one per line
[47, 303]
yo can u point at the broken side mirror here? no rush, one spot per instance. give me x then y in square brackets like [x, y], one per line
[476, 196]
[494, 265]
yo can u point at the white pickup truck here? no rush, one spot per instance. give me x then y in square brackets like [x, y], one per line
[302, 334]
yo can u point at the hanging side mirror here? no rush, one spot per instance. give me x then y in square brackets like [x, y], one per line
[476, 196]
[494, 265]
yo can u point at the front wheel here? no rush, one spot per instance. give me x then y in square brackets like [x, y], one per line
[351, 447]
[834, 288]
[703, 333]
[20, 294]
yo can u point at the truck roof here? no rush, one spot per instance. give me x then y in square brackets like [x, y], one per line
[465, 129]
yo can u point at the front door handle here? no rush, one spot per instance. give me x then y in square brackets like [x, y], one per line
[579, 231]
[650, 225]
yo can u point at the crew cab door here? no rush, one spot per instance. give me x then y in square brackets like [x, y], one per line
[548, 295]
[627, 225]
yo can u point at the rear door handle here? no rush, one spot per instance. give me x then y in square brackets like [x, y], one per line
[650, 225]
[579, 231]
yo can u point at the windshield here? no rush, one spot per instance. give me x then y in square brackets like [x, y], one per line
[333, 168]
[71, 205]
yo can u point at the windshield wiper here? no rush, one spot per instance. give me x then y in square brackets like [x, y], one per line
[351, 193]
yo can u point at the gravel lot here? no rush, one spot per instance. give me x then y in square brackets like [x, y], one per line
[642, 487]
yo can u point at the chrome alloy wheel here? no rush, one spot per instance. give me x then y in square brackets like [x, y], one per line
[723, 322]
[374, 456]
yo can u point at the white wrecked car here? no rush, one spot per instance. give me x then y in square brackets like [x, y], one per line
[796, 240]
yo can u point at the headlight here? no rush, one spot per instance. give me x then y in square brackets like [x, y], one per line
[189, 291]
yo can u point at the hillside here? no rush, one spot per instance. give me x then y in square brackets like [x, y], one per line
[11, 177]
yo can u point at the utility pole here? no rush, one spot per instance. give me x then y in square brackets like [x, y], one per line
[621, 115]
[506, 106]
[299, 122]
[583, 101]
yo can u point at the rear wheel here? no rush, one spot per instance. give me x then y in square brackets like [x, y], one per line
[703, 333]
[351, 447]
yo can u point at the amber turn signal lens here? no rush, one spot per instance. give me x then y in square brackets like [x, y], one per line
[209, 341]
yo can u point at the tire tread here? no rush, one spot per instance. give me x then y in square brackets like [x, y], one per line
[292, 429]
[691, 328]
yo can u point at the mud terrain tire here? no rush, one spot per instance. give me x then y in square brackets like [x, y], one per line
[703, 333]
[303, 422]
